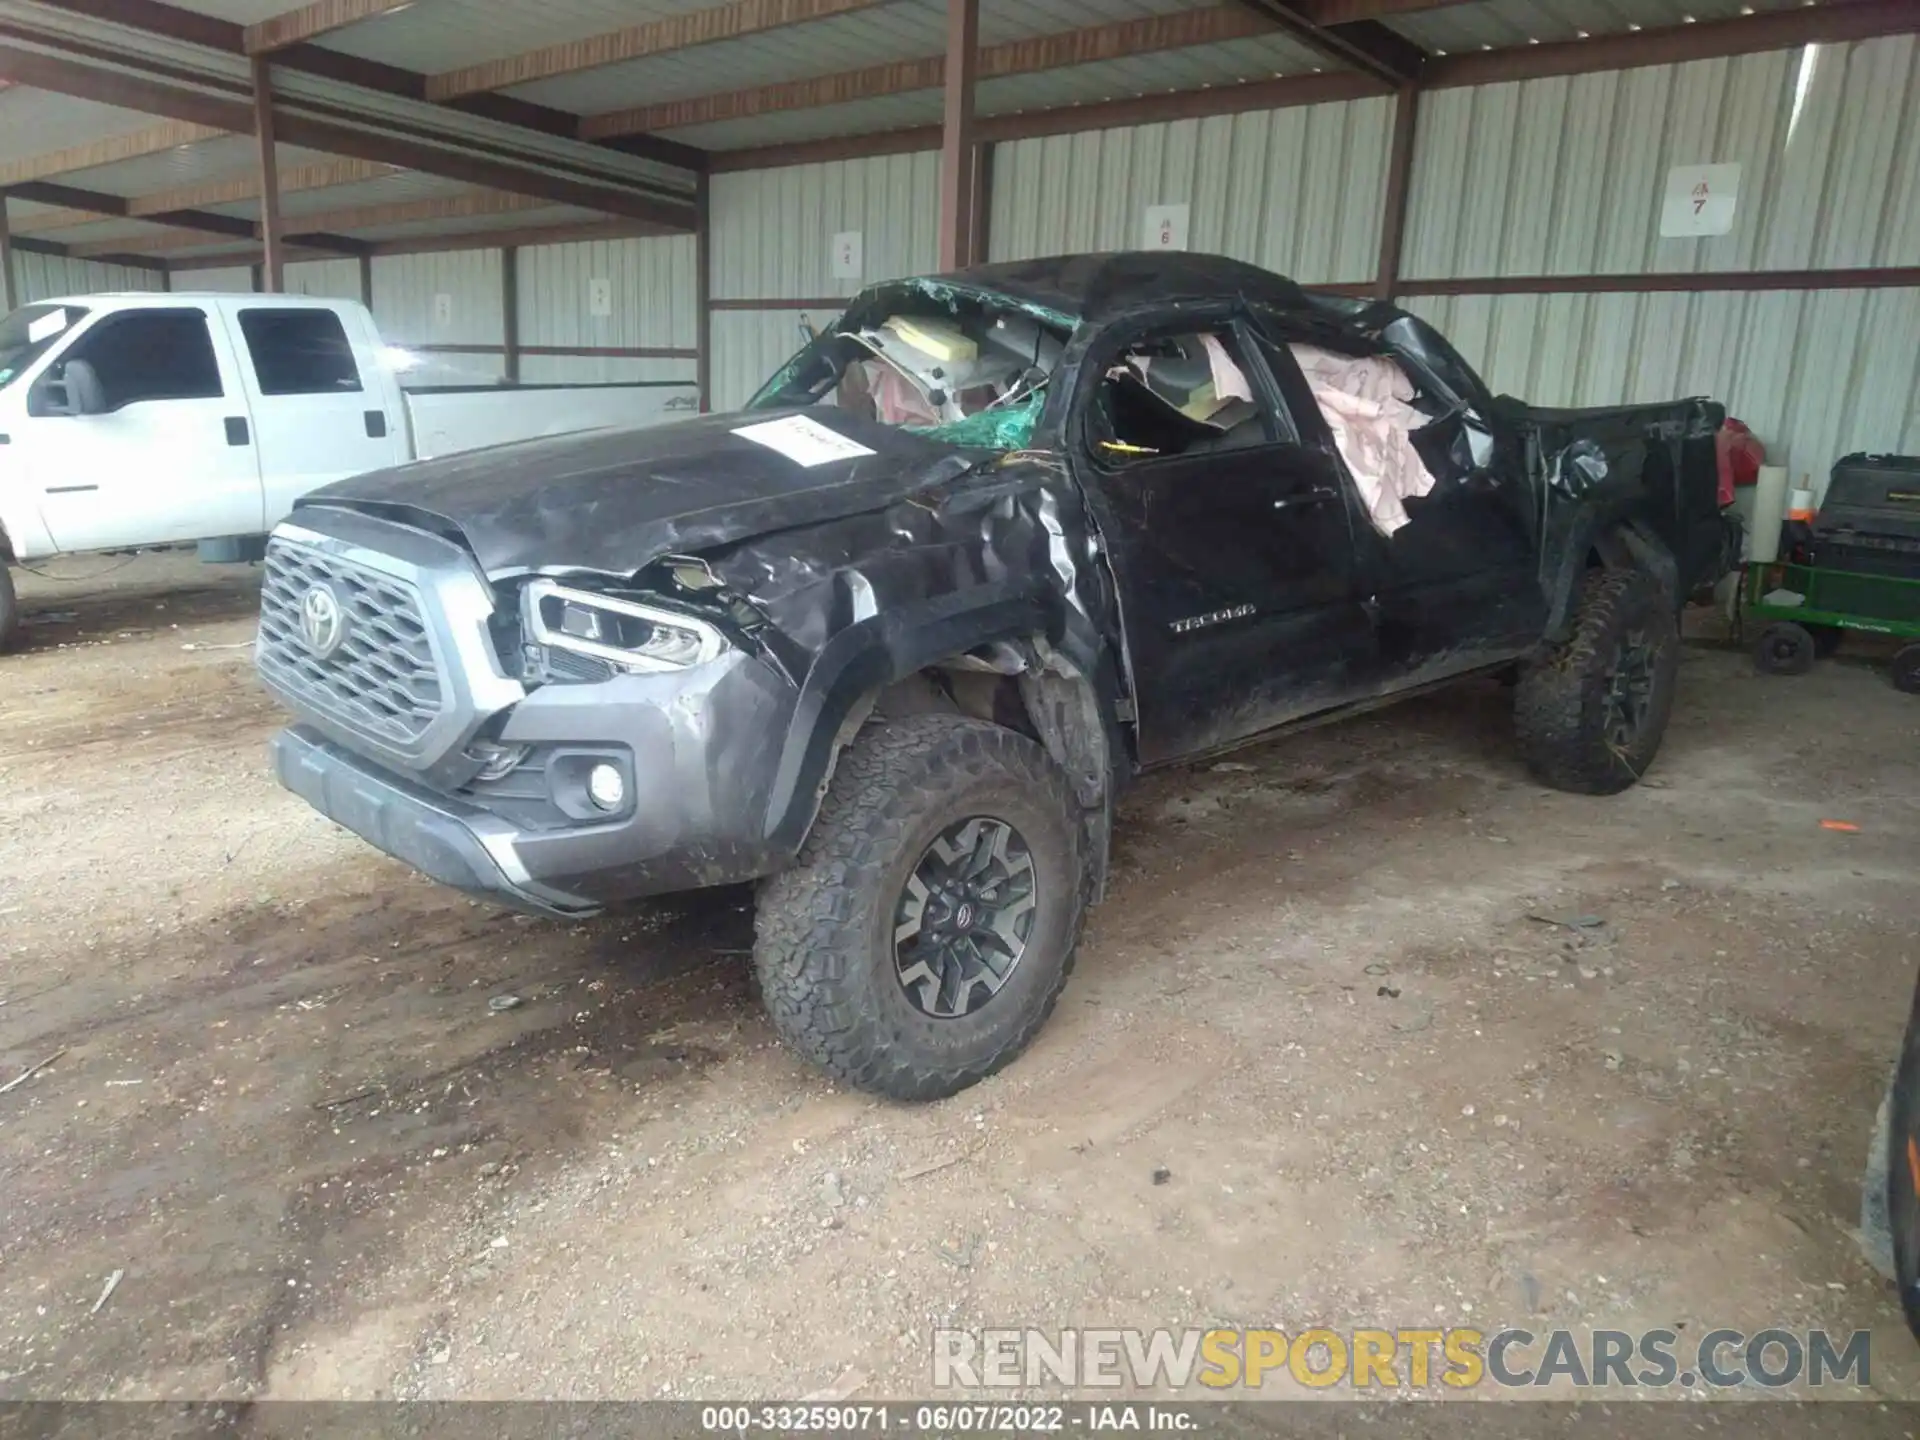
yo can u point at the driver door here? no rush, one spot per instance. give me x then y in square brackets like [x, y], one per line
[168, 456]
[1230, 540]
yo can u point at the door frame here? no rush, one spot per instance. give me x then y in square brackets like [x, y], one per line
[47, 440]
[1284, 436]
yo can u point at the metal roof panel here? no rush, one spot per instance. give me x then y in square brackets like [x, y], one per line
[903, 30]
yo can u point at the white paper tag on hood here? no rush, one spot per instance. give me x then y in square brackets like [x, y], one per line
[803, 441]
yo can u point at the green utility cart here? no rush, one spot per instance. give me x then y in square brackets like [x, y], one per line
[1856, 567]
[1802, 611]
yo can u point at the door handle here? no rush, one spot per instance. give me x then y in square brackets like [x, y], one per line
[1319, 495]
[237, 430]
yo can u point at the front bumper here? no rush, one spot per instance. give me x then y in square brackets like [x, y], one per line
[702, 752]
[400, 729]
[451, 843]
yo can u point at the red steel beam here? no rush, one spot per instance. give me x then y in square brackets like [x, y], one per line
[956, 135]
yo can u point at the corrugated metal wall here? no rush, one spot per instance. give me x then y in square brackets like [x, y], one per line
[1564, 176]
[36, 277]
[650, 290]
[231, 280]
[332, 279]
[773, 229]
[749, 345]
[446, 298]
[772, 238]
[1299, 190]
[1816, 373]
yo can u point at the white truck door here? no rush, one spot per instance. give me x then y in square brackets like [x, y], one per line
[166, 453]
[321, 411]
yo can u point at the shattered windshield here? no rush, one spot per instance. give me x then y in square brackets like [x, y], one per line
[966, 368]
[27, 332]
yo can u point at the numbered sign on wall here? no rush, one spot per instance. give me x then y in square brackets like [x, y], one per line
[1166, 228]
[600, 297]
[846, 255]
[1699, 200]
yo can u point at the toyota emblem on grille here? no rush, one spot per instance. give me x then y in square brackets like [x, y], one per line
[323, 624]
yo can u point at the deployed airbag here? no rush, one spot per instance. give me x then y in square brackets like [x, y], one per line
[1367, 402]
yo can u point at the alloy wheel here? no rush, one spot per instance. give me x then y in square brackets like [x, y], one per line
[964, 917]
[1630, 689]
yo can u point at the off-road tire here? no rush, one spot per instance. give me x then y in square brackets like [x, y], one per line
[1903, 1169]
[9, 609]
[1785, 648]
[824, 949]
[1561, 704]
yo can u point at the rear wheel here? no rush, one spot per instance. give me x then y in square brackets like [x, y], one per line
[923, 934]
[1785, 648]
[1906, 669]
[1590, 715]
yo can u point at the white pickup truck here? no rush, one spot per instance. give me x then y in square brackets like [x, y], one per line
[158, 419]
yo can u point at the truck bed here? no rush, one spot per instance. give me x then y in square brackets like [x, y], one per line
[1657, 467]
[448, 419]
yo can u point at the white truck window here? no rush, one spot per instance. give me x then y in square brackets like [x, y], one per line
[148, 355]
[299, 352]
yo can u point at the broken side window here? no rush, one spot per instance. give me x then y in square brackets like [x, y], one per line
[1178, 394]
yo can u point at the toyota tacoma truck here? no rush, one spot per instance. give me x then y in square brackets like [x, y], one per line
[889, 642]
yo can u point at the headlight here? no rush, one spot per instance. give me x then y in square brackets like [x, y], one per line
[641, 638]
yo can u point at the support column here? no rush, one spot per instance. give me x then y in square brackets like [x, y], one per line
[510, 310]
[1393, 214]
[272, 269]
[957, 154]
[366, 281]
[8, 291]
[703, 292]
[982, 204]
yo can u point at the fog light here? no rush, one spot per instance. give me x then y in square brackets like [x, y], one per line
[607, 787]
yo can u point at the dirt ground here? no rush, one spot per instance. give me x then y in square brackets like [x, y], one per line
[326, 1166]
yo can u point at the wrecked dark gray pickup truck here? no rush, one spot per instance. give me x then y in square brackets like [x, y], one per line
[890, 641]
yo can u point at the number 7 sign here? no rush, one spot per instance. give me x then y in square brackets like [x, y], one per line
[1699, 200]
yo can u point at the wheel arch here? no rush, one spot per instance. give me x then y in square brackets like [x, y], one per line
[1016, 659]
[1608, 542]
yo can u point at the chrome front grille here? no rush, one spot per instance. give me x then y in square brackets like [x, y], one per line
[381, 678]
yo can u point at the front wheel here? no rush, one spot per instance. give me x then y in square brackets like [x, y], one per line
[1590, 714]
[919, 941]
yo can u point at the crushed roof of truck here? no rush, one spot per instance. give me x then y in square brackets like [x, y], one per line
[1091, 287]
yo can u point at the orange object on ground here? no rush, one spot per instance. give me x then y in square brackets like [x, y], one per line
[1846, 825]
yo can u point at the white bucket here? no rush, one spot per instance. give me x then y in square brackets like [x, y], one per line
[1769, 513]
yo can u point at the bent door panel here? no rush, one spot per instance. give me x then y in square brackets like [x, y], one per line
[1233, 558]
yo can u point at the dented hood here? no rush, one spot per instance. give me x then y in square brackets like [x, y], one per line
[613, 501]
